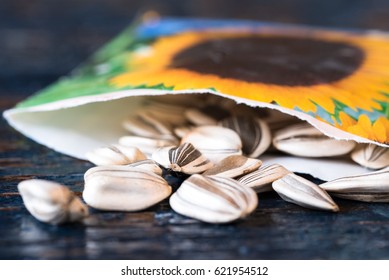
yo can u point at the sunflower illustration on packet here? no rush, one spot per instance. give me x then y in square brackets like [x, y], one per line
[340, 78]
[337, 80]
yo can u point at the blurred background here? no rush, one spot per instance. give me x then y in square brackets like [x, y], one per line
[41, 40]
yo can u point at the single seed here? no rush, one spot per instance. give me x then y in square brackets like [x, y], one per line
[261, 179]
[371, 156]
[51, 202]
[213, 199]
[369, 187]
[185, 158]
[214, 142]
[234, 166]
[254, 133]
[118, 189]
[306, 141]
[300, 191]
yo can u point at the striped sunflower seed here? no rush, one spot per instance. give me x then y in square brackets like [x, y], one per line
[254, 133]
[185, 158]
[306, 141]
[234, 166]
[115, 155]
[370, 187]
[300, 191]
[371, 156]
[261, 179]
[214, 142]
[213, 199]
[51, 202]
[121, 188]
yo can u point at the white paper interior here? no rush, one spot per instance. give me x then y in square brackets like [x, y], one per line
[76, 130]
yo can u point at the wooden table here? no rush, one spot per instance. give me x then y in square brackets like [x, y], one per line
[45, 39]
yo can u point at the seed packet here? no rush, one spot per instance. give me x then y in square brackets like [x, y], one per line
[336, 80]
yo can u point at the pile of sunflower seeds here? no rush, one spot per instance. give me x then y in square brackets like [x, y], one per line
[217, 144]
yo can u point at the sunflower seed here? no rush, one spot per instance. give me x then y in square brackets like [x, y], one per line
[300, 191]
[185, 158]
[115, 155]
[214, 142]
[370, 187]
[307, 141]
[51, 202]
[253, 132]
[261, 179]
[234, 166]
[213, 199]
[146, 145]
[371, 156]
[123, 188]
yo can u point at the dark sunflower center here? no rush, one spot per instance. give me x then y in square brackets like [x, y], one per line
[272, 60]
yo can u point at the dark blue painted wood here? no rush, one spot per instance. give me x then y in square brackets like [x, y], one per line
[44, 39]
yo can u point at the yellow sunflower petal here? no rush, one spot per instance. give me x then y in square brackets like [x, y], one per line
[365, 124]
[346, 120]
[381, 121]
[379, 131]
[357, 130]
